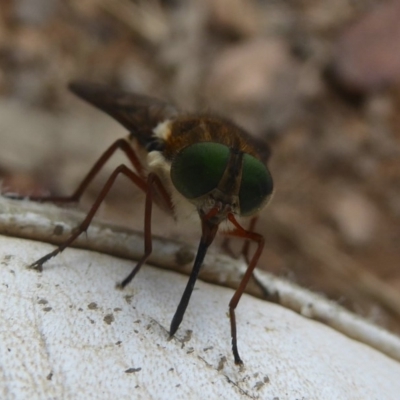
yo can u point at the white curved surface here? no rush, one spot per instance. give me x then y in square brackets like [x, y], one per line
[68, 333]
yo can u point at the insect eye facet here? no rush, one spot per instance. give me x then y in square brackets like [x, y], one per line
[197, 169]
[255, 187]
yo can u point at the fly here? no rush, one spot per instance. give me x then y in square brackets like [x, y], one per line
[181, 160]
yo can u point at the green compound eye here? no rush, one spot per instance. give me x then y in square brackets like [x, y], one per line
[198, 168]
[255, 187]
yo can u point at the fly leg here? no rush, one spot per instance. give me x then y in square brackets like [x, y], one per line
[153, 183]
[122, 169]
[246, 245]
[248, 236]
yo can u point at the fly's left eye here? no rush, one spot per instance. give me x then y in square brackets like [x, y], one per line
[256, 185]
[197, 169]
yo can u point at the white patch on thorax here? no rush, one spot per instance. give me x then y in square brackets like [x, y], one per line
[163, 130]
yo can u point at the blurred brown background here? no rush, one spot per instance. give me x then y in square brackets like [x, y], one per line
[320, 80]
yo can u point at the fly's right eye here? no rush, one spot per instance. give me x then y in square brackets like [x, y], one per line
[256, 185]
[198, 168]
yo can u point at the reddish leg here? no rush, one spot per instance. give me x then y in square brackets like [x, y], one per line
[121, 144]
[255, 237]
[138, 181]
[152, 182]
[246, 246]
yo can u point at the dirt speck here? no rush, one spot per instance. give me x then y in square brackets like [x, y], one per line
[187, 336]
[58, 230]
[132, 370]
[93, 306]
[109, 319]
[184, 256]
[6, 259]
[221, 363]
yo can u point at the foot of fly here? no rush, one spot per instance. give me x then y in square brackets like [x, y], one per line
[38, 265]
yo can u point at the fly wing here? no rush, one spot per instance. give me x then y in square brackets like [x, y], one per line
[139, 114]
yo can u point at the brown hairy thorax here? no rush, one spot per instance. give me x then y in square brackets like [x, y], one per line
[188, 129]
